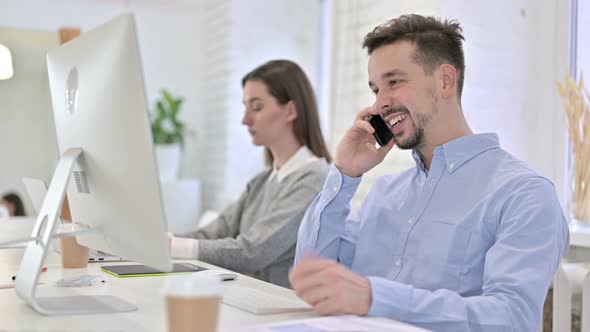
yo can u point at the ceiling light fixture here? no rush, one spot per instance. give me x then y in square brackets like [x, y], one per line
[6, 70]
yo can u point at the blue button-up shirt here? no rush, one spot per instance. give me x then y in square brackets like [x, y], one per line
[469, 245]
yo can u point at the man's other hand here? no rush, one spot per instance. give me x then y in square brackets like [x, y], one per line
[330, 288]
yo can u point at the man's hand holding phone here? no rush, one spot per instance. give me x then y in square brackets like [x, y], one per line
[356, 152]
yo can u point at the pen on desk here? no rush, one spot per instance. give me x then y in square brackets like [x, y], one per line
[42, 270]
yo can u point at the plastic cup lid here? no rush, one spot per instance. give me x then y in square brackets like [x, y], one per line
[191, 285]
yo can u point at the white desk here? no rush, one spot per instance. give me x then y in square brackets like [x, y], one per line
[580, 235]
[144, 292]
[579, 249]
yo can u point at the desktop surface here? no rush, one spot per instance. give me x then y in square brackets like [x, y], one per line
[143, 292]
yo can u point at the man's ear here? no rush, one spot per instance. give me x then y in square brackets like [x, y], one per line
[448, 77]
[291, 111]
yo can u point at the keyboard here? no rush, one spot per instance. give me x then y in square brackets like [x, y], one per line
[259, 302]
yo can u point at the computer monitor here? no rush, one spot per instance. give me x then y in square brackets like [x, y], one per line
[105, 143]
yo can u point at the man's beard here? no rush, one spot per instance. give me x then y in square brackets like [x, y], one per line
[413, 142]
[416, 140]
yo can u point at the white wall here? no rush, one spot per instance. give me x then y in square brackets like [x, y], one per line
[169, 39]
[207, 161]
[199, 49]
[26, 122]
[515, 51]
[583, 45]
[241, 35]
[287, 30]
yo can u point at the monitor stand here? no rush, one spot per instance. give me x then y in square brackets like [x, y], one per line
[36, 251]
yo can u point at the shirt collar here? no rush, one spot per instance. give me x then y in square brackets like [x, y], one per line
[302, 157]
[458, 151]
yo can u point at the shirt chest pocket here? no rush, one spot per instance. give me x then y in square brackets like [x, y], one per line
[379, 242]
[438, 249]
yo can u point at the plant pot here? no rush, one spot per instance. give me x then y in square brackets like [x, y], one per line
[168, 157]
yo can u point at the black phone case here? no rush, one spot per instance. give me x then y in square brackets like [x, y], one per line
[382, 133]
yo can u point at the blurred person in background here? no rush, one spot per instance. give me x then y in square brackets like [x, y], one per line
[11, 205]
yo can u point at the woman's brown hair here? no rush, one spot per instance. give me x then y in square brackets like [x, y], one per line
[286, 81]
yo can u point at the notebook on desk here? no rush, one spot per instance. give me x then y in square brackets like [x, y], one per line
[138, 270]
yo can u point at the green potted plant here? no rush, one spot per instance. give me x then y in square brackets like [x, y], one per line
[168, 132]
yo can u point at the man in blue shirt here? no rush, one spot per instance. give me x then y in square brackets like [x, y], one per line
[468, 240]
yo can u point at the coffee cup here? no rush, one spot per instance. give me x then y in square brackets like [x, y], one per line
[73, 255]
[192, 302]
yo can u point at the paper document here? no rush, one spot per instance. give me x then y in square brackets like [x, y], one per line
[334, 323]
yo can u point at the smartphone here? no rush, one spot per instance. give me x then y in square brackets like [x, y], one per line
[382, 132]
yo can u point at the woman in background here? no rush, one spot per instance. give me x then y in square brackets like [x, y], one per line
[256, 235]
[13, 205]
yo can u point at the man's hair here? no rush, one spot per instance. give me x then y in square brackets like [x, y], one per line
[437, 42]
